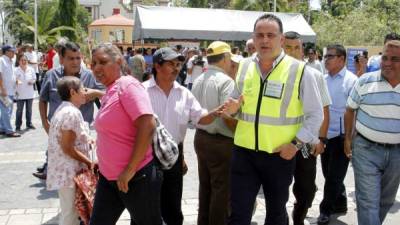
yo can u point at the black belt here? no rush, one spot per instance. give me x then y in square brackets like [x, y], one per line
[385, 145]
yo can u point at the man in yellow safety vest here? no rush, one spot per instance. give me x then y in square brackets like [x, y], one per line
[279, 111]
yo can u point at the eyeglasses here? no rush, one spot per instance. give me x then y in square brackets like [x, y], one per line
[174, 65]
[330, 56]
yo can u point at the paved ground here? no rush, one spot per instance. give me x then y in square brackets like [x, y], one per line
[24, 200]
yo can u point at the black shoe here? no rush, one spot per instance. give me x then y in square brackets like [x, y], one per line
[323, 219]
[18, 129]
[31, 127]
[2, 133]
[339, 210]
[13, 134]
[41, 176]
[40, 169]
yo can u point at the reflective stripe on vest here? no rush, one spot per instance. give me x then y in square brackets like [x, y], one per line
[285, 100]
[265, 122]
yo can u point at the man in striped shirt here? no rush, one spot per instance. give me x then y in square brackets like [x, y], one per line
[375, 105]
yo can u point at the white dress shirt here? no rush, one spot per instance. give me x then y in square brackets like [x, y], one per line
[176, 110]
[25, 81]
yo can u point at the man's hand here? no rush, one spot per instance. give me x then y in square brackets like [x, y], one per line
[92, 94]
[347, 148]
[319, 149]
[231, 106]
[3, 93]
[287, 151]
[124, 178]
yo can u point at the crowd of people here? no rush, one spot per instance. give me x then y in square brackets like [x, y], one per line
[261, 119]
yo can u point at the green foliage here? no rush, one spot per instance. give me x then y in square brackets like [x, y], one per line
[46, 33]
[180, 3]
[13, 21]
[67, 16]
[365, 24]
[198, 3]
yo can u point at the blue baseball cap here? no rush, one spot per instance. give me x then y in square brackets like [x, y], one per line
[8, 48]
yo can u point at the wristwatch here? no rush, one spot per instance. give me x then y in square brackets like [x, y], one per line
[299, 145]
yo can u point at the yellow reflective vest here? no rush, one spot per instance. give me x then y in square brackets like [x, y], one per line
[272, 112]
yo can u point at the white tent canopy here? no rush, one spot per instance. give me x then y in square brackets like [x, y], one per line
[157, 22]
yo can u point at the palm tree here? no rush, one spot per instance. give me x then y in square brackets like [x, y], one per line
[47, 33]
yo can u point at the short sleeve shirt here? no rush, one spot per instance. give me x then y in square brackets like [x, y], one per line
[48, 92]
[212, 89]
[124, 102]
[7, 74]
[61, 167]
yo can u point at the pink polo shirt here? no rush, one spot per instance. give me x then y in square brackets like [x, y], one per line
[116, 133]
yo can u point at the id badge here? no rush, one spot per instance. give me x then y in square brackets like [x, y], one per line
[273, 89]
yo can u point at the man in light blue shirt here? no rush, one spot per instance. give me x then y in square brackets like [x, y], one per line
[334, 162]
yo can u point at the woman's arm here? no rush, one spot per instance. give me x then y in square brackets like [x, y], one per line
[67, 145]
[145, 126]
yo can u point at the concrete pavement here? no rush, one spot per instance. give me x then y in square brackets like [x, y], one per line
[24, 200]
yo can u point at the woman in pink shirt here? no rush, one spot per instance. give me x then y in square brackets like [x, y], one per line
[129, 177]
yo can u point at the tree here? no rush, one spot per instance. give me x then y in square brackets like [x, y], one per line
[13, 21]
[365, 25]
[67, 16]
[46, 33]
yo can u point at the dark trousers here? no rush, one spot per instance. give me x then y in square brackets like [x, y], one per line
[250, 169]
[142, 199]
[334, 168]
[214, 153]
[28, 112]
[38, 82]
[304, 187]
[171, 192]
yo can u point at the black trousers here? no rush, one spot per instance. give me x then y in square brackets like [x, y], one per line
[19, 112]
[334, 168]
[142, 199]
[250, 170]
[304, 187]
[214, 154]
[171, 192]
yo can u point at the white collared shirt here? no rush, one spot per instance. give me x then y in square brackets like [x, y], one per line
[176, 110]
[7, 74]
[33, 57]
[24, 89]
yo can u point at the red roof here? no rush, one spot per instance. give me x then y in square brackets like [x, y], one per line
[114, 20]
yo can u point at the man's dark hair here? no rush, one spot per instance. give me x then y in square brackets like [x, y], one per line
[340, 50]
[215, 58]
[65, 84]
[313, 50]
[69, 46]
[139, 51]
[391, 36]
[269, 17]
[292, 35]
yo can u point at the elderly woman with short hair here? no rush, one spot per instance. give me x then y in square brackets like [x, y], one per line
[129, 177]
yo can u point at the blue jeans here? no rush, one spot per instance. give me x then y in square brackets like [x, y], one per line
[5, 117]
[377, 178]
